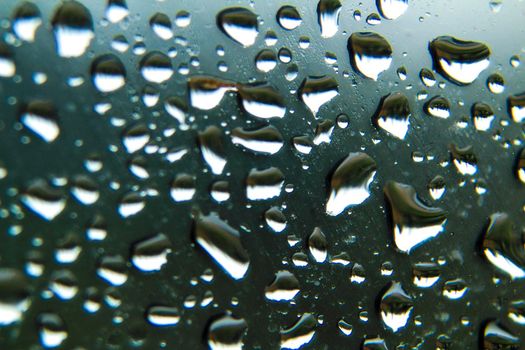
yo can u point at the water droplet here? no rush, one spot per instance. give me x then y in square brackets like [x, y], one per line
[223, 243]
[240, 24]
[520, 166]
[345, 327]
[284, 286]
[73, 29]
[436, 187]
[413, 223]
[316, 91]
[151, 253]
[266, 60]
[396, 306]
[370, 53]
[156, 67]
[262, 101]
[44, 200]
[182, 19]
[464, 159]
[426, 274]
[496, 336]
[135, 138]
[323, 132]
[288, 17]
[438, 107]
[358, 274]
[177, 108]
[516, 105]
[392, 9]
[459, 60]
[40, 116]
[207, 92]
[517, 312]
[212, 149]
[303, 144]
[63, 284]
[116, 10]
[7, 63]
[267, 140]
[373, 19]
[374, 344]
[393, 115]
[26, 20]
[161, 315]
[318, 245]
[161, 25]
[14, 296]
[350, 182]
[226, 332]
[503, 246]
[51, 329]
[108, 73]
[454, 289]
[427, 77]
[275, 219]
[85, 190]
[328, 12]
[183, 188]
[482, 116]
[264, 184]
[301, 333]
[131, 204]
[220, 191]
[496, 83]
[112, 269]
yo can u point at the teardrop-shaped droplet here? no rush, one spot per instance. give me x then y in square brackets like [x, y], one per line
[156, 67]
[393, 115]
[26, 20]
[318, 245]
[370, 53]
[459, 60]
[266, 60]
[226, 332]
[183, 188]
[301, 333]
[108, 73]
[464, 159]
[438, 107]
[267, 140]
[207, 92]
[316, 91]
[392, 9]
[516, 105]
[504, 247]
[275, 218]
[496, 336]
[328, 12]
[164, 316]
[212, 149]
[160, 23]
[288, 17]
[413, 223]
[284, 286]
[73, 28]
[350, 182]
[240, 24]
[15, 295]
[396, 306]
[482, 116]
[222, 243]
[264, 184]
[262, 101]
[40, 116]
[426, 274]
[44, 200]
[151, 253]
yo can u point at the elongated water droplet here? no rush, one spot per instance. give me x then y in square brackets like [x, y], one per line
[284, 286]
[413, 223]
[26, 20]
[164, 316]
[396, 306]
[426, 274]
[301, 333]
[212, 149]
[44, 200]
[262, 101]
[222, 243]
[40, 116]
[151, 253]
[318, 245]
[503, 246]
[370, 53]
[393, 115]
[496, 336]
[240, 24]
[516, 105]
[464, 159]
[177, 108]
[392, 9]
[226, 332]
[156, 67]
[350, 182]
[459, 60]
[267, 140]
[328, 12]
[160, 23]
[108, 73]
[14, 296]
[288, 17]
[374, 344]
[316, 91]
[482, 116]
[454, 289]
[207, 92]
[73, 29]
[438, 107]
[264, 184]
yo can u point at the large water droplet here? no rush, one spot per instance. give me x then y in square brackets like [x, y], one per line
[40, 116]
[396, 306]
[212, 149]
[370, 53]
[459, 60]
[266, 140]
[108, 73]
[266, 60]
[156, 67]
[318, 245]
[301, 333]
[73, 29]
[240, 24]
[206, 92]
[496, 336]
[426, 274]
[393, 115]
[464, 159]
[183, 188]
[160, 23]
[51, 329]
[26, 20]
[14, 296]
[413, 222]
[482, 116]
[151, 253]
[284, 286]
[44, 200]
[226, 332]
[350, 181]
[288, 17]
[116, 10]
[262, 101]
[264, 184]
[328, 12]
[516, 105]
[316, 91]
[177, 108]
[135, 138]
[160, 315]
[275, 219]
[438, 107]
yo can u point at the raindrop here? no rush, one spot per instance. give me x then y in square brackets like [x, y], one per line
[496, 336]
[393, 115]
[14, 296]
[517, 312]
[318, 245]
[374, 344]
[240, 24]
[323, 132]
[373, 19]
[156, 67]
[135, 138]
[301, 333]
[161, 25]
[262, 101]
[264, 184]
[212, 149]
[520, 166]
[303, 144]
[182, 19]
[460, 61]
[349, 184]
[226, 332]
[345, 327]
[40, 116]
[454, 289]
[392, 9]
[288, 17]
[131, 204]
[63, 284]
[183, 188]
[267, 140]
[464, 159]
[285, 55]
[370, 53]
[85, 190]
[112, 269]
[482, 116]
[275, 219]
[316, 91]
[116, 10]
[426, 274]
[396, 306]
[496, 83]
[328, 12]
[427, 77]
[151, 253]
[206, 92]
[438, 107]
[108, 73]
[222, 243]
[150, 96]
[220, 191]
[358, 274]
[284, 286]
[7, 63]
[163, 316]
[516, 105]
[73, 28]
[436, 187]
[26, 20]
[266, 60]
[44, 200]
[51, 329]
[413, 223]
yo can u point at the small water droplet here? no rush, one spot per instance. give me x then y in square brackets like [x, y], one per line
[318, 245]
[212, 149]
[370, 53]
[516, 105]
[73, 28]
[316, 91]
[151, 253]
[156, 67]
[392, 9]
[438, 107]
[267, 139]
[288, 17]
[226, 332]
[108, 73]
[160, 23]
[40, 116]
